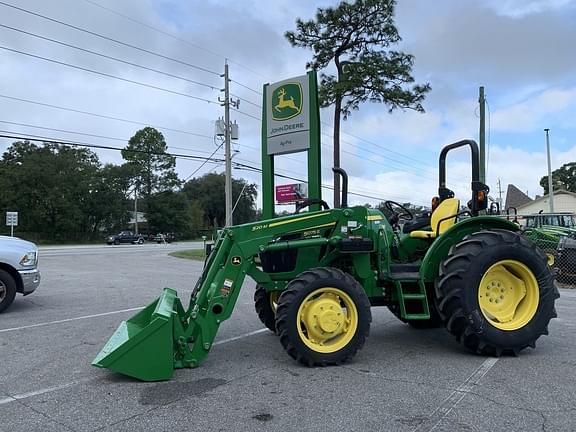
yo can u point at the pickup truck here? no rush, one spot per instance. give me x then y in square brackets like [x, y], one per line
[18, 269]
[125, 237]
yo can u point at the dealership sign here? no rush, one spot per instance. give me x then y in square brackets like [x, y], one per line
[288, 116]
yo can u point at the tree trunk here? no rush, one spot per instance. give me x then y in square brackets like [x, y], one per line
[337, 112]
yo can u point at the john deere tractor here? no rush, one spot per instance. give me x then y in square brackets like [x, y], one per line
[319, 273]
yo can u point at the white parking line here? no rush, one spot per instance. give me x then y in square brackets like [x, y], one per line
[73, 383]
[70, 319]
[42, 391]
[455, 397]
[255, 332]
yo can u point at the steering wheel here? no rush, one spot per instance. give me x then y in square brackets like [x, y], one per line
[404, 214]
[311, 201]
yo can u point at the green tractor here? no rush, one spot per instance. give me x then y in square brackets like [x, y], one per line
[318, 274]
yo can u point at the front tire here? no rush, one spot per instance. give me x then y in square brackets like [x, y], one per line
[496, 292]
[7, 290]
[323, 317]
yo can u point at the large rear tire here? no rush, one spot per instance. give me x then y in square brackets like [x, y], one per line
[265, 303]
[496, 292]
[323, 317]
[7, 290]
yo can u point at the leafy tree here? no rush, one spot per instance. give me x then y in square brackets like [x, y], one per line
[562, 178]
[152, 168]
[107, 205]
[173, 212]
[50, 186]
[62, 192]
[356, 37]
[208, 190]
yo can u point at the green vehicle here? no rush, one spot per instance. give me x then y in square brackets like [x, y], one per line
[547, 229]
[320, 272]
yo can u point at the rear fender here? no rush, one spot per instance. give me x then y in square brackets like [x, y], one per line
[439, 249]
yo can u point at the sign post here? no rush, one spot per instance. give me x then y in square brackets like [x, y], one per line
[12, 221]
[290, 124]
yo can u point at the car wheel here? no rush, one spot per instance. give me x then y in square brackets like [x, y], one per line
[7, 290]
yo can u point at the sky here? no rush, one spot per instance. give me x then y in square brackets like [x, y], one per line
[521, 51]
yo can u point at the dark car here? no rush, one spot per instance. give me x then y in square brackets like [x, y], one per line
[125, 237]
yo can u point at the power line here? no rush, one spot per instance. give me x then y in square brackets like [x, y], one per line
[243, 85]
[324, 186]
[417, 171]
[107, 75]
[246, 114]
[179, 39]
[109, 57]
[203, 163]
[49, 140]
[62, 130]
[178, 61]
[246, 100]
[105, 116]
[80, 29]
[380, 146]
[347, 142]
[343, 132]
[88, 134]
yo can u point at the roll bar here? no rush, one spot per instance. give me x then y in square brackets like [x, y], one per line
[479, 190]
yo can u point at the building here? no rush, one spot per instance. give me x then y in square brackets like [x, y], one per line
[564, 201]
[515, 197]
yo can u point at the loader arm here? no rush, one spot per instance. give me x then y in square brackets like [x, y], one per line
[232, 258]
[165, 336]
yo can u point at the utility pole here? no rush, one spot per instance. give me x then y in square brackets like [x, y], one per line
[136, 208]
[482, 102]
[228, 180]
[500, 194]
[550, 183]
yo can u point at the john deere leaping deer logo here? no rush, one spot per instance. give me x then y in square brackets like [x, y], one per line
[287, 101]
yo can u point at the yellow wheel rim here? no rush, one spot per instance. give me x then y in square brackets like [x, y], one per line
[327, 320]
[508, 295]
[274, 296]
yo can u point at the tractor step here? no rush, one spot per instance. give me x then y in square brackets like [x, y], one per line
[404, 268]
[405, 276]
[414, 296]
[411, 294]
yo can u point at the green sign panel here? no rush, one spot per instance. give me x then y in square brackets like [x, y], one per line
[290, 123]
[287, 100]
[288, 116]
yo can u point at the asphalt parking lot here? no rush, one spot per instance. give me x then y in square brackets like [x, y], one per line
[403, 379]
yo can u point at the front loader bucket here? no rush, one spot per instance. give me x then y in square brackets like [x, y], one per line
[143, 346]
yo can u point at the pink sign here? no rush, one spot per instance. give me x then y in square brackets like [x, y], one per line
[291, 193]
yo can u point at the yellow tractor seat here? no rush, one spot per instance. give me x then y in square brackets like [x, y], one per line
[438, 222]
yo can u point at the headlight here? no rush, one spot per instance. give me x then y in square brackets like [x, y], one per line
[29, 259]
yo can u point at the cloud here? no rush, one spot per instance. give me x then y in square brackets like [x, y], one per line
[521, 8]
[536, 112]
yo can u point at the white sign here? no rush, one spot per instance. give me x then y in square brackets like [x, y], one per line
[12, 219]
[288, 116]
